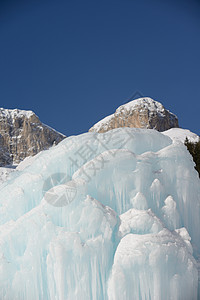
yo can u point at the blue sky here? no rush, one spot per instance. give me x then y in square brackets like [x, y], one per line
[75, 62]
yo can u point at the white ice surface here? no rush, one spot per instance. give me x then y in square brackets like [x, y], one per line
[5, 173]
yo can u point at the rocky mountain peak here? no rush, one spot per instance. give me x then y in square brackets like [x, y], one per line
[140, 113]
[22, 134]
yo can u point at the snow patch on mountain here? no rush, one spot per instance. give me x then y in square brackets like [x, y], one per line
[180, 134]
[146, 102]
[13, 113]
[139, 113]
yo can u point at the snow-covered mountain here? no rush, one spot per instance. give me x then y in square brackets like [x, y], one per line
[139, 113]
[102, 216]
[22, 134]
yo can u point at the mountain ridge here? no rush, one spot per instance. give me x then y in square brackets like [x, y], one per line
[140, 113]
[22, 134]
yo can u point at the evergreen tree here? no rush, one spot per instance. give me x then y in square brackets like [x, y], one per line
[194, 149]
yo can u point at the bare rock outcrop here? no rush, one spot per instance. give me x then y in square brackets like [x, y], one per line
[22, 134]
[140, 113]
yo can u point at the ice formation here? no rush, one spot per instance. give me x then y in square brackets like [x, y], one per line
[102, 216]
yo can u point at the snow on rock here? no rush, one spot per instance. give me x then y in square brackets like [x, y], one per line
[139, 113]
[22, 134]
[102, 216]
[13, 113]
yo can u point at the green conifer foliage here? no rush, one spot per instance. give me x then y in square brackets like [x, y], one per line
[194, 149]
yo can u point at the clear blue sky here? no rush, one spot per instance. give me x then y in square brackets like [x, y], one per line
[74, 62]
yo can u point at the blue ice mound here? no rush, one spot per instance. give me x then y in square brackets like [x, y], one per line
[102, 216]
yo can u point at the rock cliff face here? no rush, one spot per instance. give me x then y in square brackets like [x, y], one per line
[22, 134]
[140, 113]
